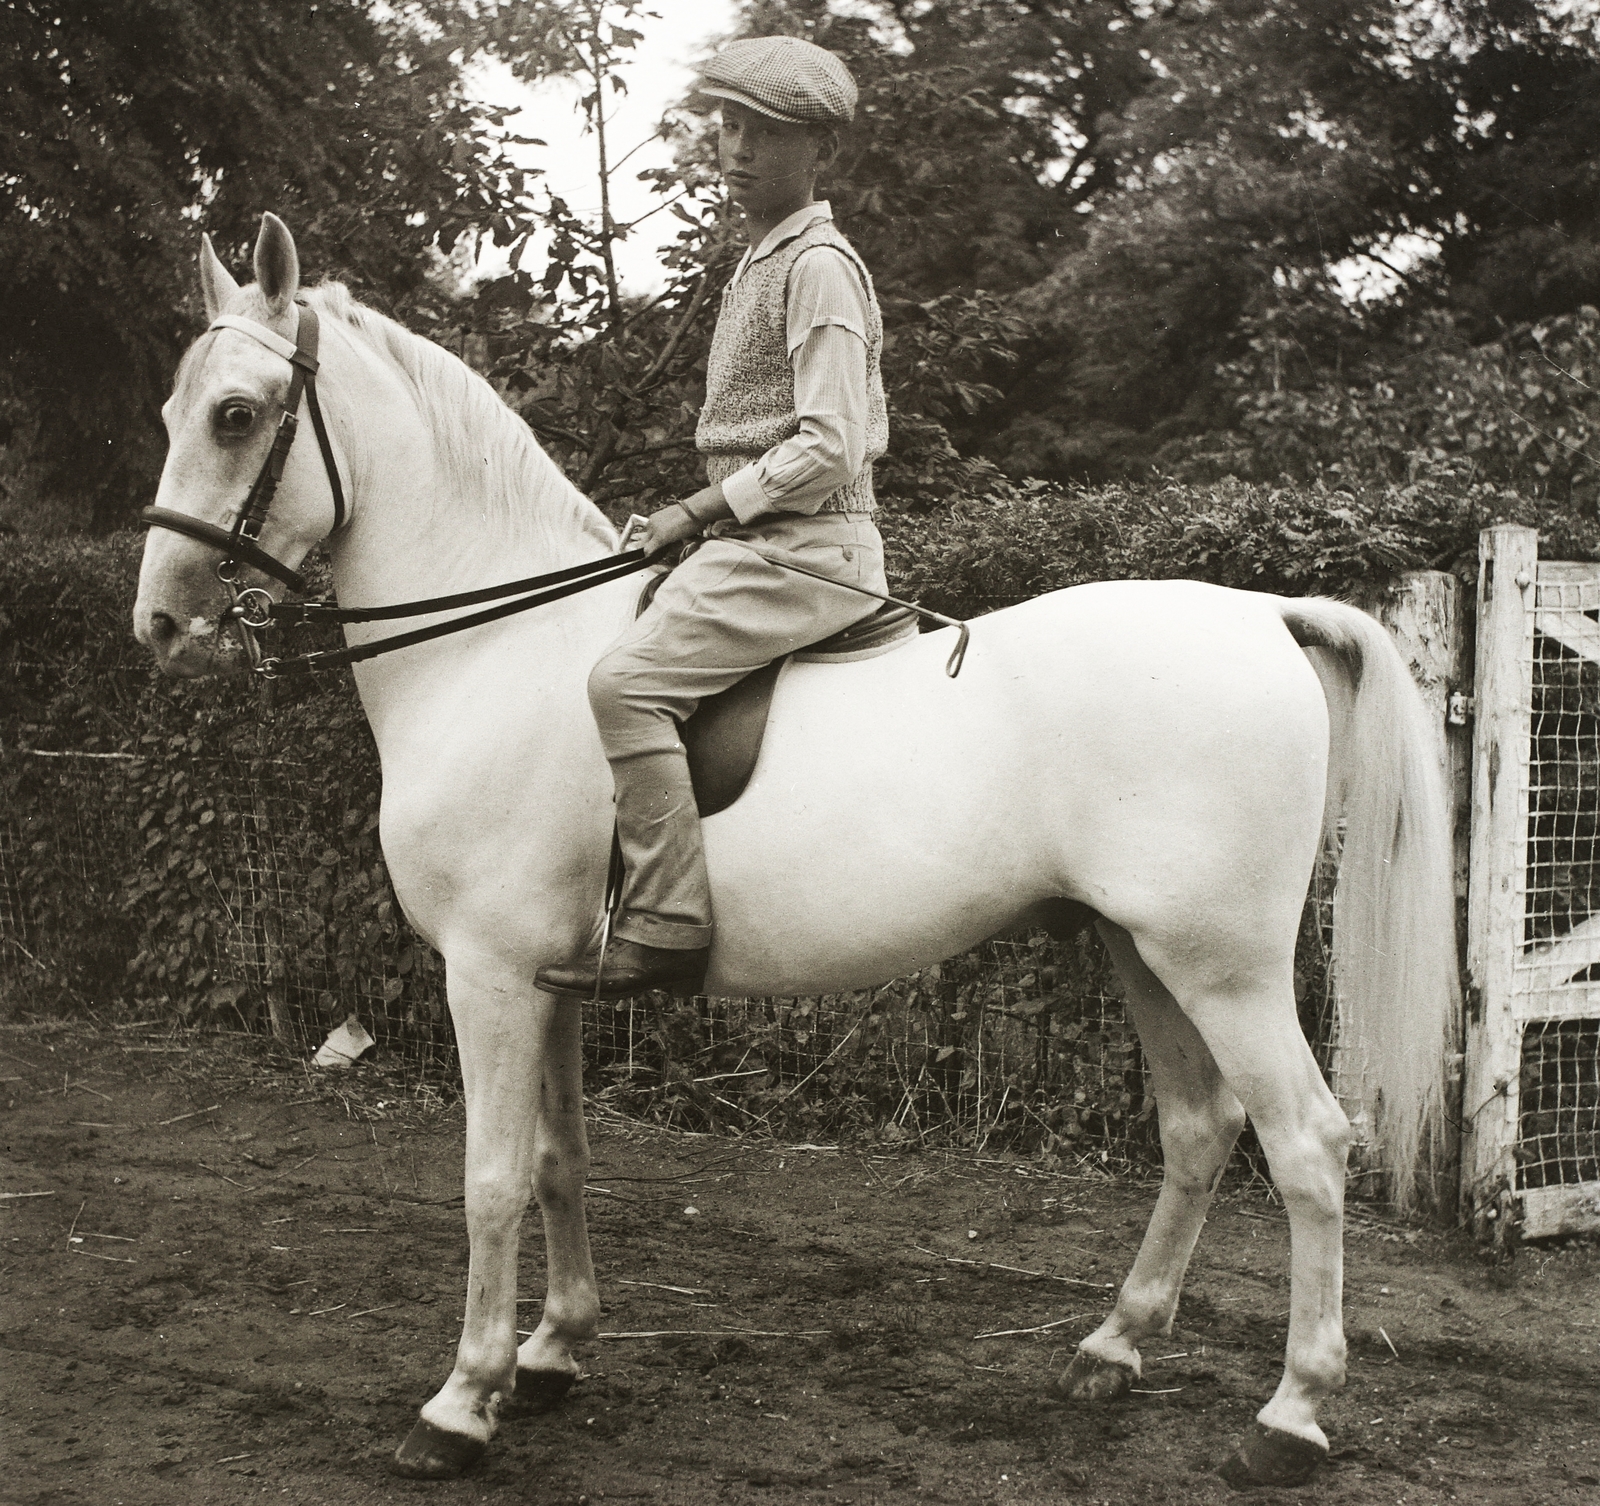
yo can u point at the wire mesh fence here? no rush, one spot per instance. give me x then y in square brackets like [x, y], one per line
[1022, 1042]
[1557, 971]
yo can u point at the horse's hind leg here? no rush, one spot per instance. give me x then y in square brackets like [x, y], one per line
[514, 1050]
[1255, 1038]
[1200, 1120]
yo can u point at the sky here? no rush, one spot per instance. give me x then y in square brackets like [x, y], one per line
[659, 73]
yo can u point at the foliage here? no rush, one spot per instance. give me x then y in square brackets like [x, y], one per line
[1343, 393]
[1092, 230]
[60, 689]
[1285, 139]
[196, 906]
[240, 872]
[132, 125]
[980, 132]
[1094, 227]
[610, 383]
[972, 557]
[940, 186]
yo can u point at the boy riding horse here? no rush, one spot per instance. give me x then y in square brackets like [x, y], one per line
[793, 418]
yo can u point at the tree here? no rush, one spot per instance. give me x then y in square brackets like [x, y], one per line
[609, 382]
[134, 124]
[1284, 138]
[945, 184]
[978, 151]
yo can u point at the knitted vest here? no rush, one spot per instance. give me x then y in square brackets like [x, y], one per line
[750, 404]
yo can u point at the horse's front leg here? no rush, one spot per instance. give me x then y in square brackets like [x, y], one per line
[502, 1026]
[546, 1365]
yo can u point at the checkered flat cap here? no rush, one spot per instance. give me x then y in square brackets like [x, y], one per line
[787, 78]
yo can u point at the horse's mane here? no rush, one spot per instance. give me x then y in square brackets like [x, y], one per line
[493, 465]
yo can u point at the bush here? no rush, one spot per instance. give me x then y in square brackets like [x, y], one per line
[188, 851]
[184, 779]
[1024, 540]
[229, 868]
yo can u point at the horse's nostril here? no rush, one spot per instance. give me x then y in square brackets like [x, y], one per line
[163, 630]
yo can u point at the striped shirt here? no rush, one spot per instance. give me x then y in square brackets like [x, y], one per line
[826, 319]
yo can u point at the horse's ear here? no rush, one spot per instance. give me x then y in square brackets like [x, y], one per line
[216, 285]
[277, 264]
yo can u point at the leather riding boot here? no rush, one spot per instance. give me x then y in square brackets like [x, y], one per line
[666, 900]
[630, 969]
[663, 931]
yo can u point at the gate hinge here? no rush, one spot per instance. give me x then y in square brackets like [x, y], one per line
[1461, 709]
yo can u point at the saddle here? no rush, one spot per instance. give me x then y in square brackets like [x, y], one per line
[723, 737]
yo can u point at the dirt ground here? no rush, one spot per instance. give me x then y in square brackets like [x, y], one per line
[246, 1278]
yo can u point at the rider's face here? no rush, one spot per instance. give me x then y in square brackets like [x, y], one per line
[768, 164]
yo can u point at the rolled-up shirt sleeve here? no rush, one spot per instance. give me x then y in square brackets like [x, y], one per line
[826, 319]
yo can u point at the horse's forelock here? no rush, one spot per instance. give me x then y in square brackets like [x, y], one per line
[187, 376]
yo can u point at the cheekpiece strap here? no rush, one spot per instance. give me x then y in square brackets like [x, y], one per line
[301, 353]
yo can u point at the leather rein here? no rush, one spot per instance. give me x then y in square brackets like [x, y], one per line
[253, 609]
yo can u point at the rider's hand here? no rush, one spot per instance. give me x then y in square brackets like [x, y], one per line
[672, 525]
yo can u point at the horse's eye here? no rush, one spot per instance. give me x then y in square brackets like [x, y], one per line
[235, 418]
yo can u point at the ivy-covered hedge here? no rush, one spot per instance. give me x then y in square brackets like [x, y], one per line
[133, 911]
[1295, 540]
[72, 680]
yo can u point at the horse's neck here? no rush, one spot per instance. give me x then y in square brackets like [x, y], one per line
[419, 530]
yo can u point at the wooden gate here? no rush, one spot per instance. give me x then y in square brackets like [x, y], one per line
[1531, 1093]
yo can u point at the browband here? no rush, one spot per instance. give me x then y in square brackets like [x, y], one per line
[270, 338]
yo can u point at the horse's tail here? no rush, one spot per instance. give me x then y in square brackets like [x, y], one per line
[1394, 915]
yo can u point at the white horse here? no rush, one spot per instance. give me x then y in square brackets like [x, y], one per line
[1158, 752]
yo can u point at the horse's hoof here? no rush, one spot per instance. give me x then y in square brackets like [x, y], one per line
[537, 1392]
[1091, 1379]
[430, 1453]
[1270, 1457]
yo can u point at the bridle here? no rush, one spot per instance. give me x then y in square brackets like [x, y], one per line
[251, 606]
[253, 610]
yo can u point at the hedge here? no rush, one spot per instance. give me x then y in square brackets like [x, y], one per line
[71, 678]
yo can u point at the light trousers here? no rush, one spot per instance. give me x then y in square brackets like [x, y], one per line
[719, 615]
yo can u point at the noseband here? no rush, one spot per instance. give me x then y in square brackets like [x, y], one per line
[241, 545]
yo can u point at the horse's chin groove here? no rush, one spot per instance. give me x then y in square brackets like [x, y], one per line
[537, 1392]
[430, 1453]
[1090, 1379]
[1269, 1456]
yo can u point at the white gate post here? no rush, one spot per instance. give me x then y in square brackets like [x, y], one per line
[1508, 558]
